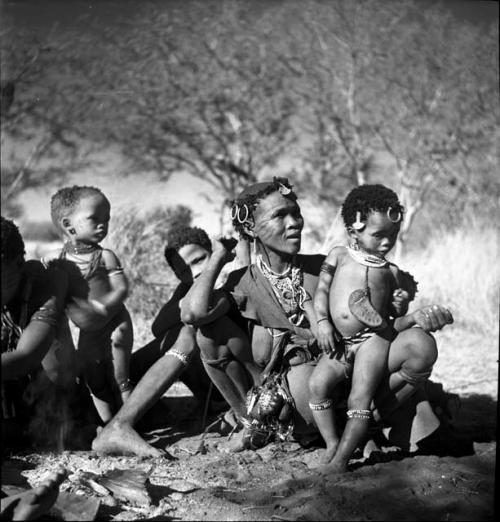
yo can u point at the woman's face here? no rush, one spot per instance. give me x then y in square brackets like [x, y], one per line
[278, 223]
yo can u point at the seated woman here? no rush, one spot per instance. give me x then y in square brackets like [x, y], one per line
[273, 295]
[33, 302]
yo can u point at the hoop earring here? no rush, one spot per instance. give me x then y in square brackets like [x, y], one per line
[396, 219]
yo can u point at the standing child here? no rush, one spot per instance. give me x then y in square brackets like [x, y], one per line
[358, 293]
[82, 214]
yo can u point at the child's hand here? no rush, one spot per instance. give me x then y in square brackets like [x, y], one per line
[432, 318]
[326, 340]
[400, 300]
[224, 247]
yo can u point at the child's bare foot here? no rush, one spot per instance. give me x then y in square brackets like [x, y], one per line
[332, 468]
[121, 439]
[328, 454]
[238, 442]
[33, 503]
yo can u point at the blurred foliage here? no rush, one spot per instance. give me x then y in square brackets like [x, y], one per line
[42, 231]
[332, 93]
[139, 241]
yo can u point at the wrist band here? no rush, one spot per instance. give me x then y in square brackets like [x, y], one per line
[125, 385]
[322, 319]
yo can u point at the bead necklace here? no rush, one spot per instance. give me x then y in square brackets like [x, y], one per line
[83, 248]
[287, 287]
[366, 259]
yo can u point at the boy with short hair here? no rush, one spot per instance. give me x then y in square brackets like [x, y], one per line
[359, 295]
[187, 252]
[82, 214]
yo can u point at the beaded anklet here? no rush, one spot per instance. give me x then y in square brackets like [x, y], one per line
[359, 414]
[320, 406]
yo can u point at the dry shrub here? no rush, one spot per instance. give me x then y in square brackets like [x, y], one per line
[459, 269]
[139, 240]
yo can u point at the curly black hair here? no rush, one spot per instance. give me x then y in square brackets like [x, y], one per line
[12, 242]
[65, 200]
[368, 198]
[181, 236]
[251, 196]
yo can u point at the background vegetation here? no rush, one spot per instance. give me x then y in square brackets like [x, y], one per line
[332, 94]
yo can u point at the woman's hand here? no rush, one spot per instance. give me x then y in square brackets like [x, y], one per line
[432, 318]
[326, 339]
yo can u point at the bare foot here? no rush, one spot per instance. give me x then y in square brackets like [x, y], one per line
[121, 439]
[240, 441]
[33, 503]
[329, 453]
[332, 468]
[370, 447]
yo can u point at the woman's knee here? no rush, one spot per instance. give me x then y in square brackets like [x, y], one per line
[424, 351]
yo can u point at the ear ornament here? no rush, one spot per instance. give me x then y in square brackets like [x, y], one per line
[283, 190]
[395, 216]
[358, 224]
[236, 213]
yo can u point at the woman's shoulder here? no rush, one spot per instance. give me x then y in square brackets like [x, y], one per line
[237, 278]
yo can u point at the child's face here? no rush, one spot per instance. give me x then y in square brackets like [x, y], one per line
[11, 276]
[189, 262]
[379, 234]
[90, 219]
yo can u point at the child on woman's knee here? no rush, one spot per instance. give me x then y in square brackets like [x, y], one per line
[82, 215]
[358, 293]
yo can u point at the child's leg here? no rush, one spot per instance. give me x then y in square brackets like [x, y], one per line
[98, 376]
[122, 340]
[325, 377]
[370, 364]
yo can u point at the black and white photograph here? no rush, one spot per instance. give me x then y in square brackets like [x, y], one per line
[249, 259]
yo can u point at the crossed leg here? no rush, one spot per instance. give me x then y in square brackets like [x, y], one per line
[119, 435]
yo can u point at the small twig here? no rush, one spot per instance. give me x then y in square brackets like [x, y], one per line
[187, 450]
[257, 507]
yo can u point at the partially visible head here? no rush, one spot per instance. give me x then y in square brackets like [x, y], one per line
[268, 212]
[187, 252]
[82, 213]
[372, 215]
[12, 259]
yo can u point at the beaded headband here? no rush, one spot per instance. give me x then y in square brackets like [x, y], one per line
[241, 211]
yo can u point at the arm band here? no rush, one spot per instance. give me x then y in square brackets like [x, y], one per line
[327, 268]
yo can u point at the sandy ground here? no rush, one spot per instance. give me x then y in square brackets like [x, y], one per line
[274, 483]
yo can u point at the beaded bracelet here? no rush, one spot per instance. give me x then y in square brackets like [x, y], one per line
[327, 268]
